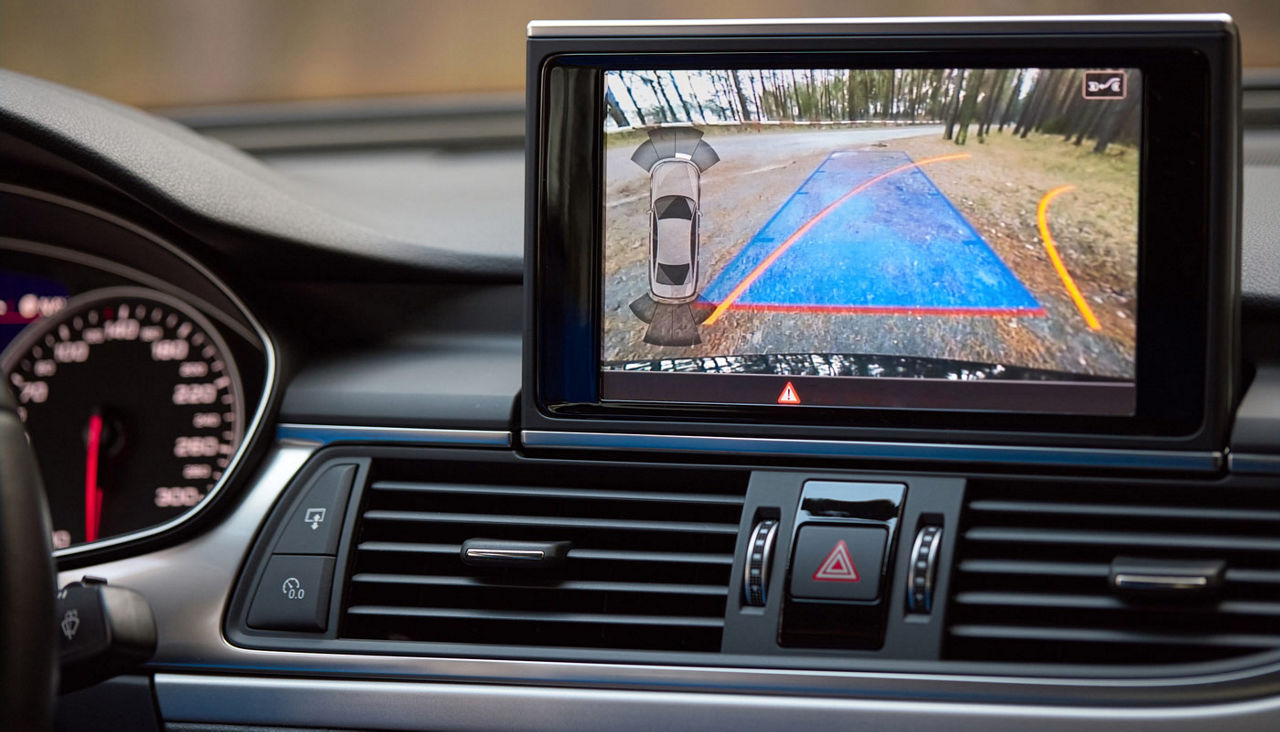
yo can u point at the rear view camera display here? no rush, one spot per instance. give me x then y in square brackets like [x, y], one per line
[949, 238]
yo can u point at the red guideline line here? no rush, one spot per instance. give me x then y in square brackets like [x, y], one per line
[751, 277]
[894, 310]
[92, 493]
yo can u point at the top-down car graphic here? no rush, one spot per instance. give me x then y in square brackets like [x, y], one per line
[673, 230]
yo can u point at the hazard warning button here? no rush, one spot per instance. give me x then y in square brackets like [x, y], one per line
[838, 562]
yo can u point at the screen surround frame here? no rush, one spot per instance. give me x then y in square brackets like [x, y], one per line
[1188, 286]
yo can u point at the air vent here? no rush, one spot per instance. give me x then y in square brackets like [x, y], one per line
[648, 568]
[1033, 577]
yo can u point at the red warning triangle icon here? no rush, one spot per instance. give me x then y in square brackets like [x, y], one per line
[788, 395]
[838, 566]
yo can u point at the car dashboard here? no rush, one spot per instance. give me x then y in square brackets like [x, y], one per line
[318, 476]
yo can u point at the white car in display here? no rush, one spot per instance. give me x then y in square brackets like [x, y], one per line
[674, 190]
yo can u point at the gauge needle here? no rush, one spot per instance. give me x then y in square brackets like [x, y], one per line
[92, 493]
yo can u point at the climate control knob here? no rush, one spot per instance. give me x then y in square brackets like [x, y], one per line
[759, 561]
[923, 569]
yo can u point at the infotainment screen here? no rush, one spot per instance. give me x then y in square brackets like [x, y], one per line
[919, 238]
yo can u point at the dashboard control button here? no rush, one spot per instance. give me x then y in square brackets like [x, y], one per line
[923, 569]
[759, 562]
[838, 562]
[293, 594]
[316, 522]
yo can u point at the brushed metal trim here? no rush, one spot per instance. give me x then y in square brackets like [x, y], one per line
[986, 25]
[293, 433]
[408, 706]
[268, 348]
[1201, 461]
[1239, 462]
[521, 554]
[1159, 582]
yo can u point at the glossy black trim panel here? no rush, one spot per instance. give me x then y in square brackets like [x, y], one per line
[1197, 461]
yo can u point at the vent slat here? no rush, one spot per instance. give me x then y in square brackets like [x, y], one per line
[441, 581]
[1016, 566]
[606, 555]
[585, 554]
[1117, 637]
[539, 617]
[648, 565]
[574, 493]
[1034, 559]
[1129, 511]
[489, 519]
[1106, 602]
[1120, 539]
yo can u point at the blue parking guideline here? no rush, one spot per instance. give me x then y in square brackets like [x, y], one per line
[898, 246]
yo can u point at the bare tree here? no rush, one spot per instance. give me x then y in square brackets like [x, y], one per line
[954, 106]
[737, 92]
[756, 92]
[662, 92]
[688, 111]
[1122, 116]
[613, 110]
[634, 103]
[992, 103]
[1014, 93]
[973, 89]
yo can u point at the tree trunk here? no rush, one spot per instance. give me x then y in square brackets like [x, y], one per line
[756, 94]
[1118, 121]
[992, 103]
[688, 111]
[1088, 122]
[954, 106]
[634, 103]
[662, 91]
[614, 111]
[969, 105]
[1014, 91]
[737, 92]
[940, 78]
[848, 96]
[1029, 111]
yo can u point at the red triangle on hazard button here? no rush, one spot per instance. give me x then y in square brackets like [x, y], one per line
[788, 395]
[838, 566]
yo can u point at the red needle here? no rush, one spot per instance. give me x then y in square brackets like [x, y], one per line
[92, 493]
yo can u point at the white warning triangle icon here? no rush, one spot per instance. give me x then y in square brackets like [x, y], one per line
[788, 395]
[838, 566]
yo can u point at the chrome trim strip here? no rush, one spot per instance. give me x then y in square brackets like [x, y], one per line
[467, 706]
[778, 447]
[268, 349]
[988, 25]
[292, 433]
[1159, 582]
[1239, 462]
[520, 554]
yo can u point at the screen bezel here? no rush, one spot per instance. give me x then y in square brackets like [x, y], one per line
[1185, 285]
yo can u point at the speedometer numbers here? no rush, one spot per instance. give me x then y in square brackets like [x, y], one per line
[133, 405]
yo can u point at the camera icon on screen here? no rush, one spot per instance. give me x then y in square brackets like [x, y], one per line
[1105, 85]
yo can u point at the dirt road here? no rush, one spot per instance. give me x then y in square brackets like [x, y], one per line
[763, 176]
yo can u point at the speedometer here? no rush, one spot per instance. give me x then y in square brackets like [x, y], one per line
[133, 405]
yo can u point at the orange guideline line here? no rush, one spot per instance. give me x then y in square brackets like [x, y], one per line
[1070, 284]
[751, 277]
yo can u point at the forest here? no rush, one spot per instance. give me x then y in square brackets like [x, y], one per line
[965, 101]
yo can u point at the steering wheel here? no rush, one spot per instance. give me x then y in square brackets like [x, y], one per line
[28, 629]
